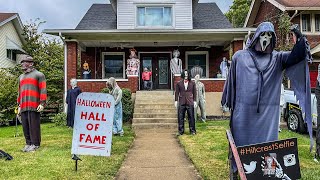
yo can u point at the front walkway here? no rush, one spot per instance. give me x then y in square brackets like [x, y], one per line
[157, 155]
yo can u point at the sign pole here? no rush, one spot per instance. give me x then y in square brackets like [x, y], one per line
[236, 156]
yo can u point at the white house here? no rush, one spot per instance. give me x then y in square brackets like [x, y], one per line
[11, 39]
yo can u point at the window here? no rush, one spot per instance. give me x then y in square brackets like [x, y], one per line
[11, 55]
[154, 16]
[198, 59]
[113, 64]
[317, 22]
[306, 22]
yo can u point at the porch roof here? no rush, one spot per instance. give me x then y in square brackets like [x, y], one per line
[152, 35]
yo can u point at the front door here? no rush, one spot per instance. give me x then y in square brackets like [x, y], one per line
[159, 63]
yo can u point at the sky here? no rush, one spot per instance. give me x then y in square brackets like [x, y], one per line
[63, 14]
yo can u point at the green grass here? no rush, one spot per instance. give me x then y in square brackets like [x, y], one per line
[53, 159]
[208, 151]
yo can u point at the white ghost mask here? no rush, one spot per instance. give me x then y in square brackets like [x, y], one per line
[265, 40]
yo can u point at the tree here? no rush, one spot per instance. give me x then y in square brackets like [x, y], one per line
[48, 56]
[238, 12]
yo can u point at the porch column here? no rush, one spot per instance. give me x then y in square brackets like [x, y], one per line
[133, 81]
[237, 45]
[72, 56]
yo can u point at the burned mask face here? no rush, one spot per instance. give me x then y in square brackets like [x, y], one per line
[265, 40]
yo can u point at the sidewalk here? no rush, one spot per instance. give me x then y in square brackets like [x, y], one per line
[156, 154]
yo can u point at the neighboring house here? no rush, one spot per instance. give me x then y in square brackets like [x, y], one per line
[11, 39]
[306, 13]
[155, 28]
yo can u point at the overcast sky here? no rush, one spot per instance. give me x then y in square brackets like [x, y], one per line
[64, 14]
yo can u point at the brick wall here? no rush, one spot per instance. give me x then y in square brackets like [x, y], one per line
[237, 45]
[72, 54]
[96, 86]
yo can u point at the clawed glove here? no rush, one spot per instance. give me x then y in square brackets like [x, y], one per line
[176, 104]
[40, 108]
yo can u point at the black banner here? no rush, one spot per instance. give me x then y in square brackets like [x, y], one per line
[272, 160]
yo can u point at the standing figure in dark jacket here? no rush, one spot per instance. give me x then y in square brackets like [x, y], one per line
[72, 95]
[185, 94]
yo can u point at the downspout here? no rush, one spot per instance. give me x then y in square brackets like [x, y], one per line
[65, 73]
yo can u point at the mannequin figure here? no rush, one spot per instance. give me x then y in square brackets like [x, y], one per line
[116, 92]
[32, 96]
[176, 63]
[86, 74]
[201, 99]
[72, 95]
[186, 91]
[133, 64]
[252, 88]
[224, 68]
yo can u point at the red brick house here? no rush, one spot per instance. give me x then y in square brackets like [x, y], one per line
[306, 13]
[103, 37]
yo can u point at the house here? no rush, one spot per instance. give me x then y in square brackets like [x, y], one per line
[155, 28]
[11, 39]
[305, 13]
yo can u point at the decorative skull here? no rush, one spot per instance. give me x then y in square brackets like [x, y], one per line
[265, 39]
[85, 66]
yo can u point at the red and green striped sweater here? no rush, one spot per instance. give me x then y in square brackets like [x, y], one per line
[32, 90]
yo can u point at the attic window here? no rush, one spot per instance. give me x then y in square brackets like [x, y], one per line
[306, 25]
[154, 16]
[317, 20]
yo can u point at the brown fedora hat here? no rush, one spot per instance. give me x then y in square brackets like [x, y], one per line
[26, 58]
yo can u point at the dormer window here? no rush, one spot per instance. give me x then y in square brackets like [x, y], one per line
[154, 16]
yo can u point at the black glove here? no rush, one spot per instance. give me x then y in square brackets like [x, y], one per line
[296, 30]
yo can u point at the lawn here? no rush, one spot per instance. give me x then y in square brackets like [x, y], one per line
[53, 159]
[209, 148]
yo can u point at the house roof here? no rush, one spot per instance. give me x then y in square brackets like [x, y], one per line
[283, 5]
[209, 16]
[5, 17]
[14, 17]
[102, 17]
[99, 17]
[299, 3]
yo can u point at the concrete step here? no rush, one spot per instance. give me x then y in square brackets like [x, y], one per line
[138, 126]
[154, 106]
[152, 110]
[154, 92]
[155, 115]
[155, 102]
[154, 120]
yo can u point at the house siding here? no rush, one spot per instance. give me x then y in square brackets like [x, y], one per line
[126, 13]
[8, 31]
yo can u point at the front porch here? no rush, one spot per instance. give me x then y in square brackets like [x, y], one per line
[107, 51]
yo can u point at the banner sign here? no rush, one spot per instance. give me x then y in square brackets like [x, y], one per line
[93, 120]
[272, 160]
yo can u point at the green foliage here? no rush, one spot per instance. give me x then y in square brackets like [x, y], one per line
[49, 58]
[238, 12]
[8, 95]
[127, 105]
[60, 119]
[284, 30]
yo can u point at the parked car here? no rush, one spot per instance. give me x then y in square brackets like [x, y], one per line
[293, 115]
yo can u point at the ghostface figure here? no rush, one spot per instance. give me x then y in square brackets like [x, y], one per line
[185, 96]
[252, 89]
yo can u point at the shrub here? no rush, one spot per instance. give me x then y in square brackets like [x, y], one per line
[127, 105]
[60, 119]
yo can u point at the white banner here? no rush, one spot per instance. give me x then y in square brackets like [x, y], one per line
[93, 120]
